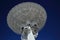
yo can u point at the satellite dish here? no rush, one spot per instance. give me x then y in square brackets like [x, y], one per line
[26, 14]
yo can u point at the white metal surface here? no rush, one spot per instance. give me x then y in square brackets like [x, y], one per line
[29, 36]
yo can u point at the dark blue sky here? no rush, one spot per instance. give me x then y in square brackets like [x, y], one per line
[51, 30]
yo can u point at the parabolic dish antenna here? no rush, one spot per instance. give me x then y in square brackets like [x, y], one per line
[24, 15]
